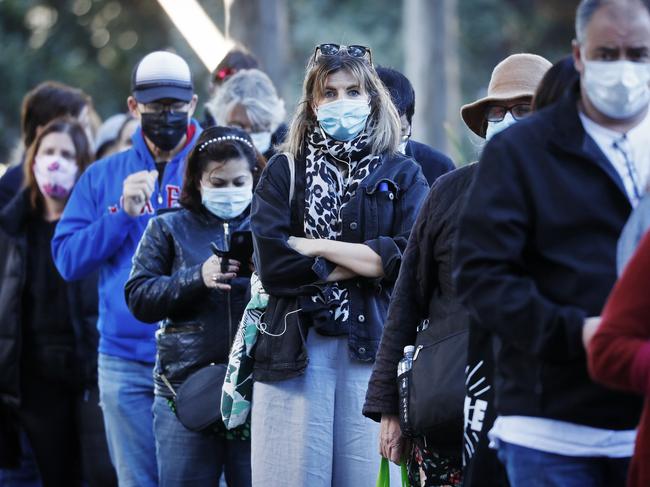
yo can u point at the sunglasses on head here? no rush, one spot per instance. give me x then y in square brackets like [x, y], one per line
[361, 52]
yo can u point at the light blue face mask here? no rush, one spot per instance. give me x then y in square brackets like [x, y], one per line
[343, 119]
[494, 128]
[226, 203]
[261, 141]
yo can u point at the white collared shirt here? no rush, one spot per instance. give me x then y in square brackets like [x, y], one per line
[635, 144]
[561, 437]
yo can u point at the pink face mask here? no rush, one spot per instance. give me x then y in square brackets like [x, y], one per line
[55, 175]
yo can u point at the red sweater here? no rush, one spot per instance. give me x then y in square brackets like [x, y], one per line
[619, 353]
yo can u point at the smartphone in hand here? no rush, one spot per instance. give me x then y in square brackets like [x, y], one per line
[241, 250]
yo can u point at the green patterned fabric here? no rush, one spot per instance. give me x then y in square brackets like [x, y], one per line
[237, 390]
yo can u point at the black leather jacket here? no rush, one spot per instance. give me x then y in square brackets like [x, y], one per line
[166, 285]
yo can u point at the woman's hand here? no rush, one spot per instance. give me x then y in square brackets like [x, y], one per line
[308, 247]
[391, 443]
[213, 278]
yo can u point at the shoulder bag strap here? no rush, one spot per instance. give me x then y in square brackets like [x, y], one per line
[292, 174]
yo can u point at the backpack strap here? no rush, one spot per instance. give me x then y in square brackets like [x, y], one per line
[296, 209]
[292, 174]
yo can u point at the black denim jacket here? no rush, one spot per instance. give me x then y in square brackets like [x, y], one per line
[380, 215]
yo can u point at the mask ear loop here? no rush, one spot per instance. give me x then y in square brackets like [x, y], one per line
[262, 327]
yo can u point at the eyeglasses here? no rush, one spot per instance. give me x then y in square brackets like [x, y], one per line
[158, 107]
[360, 52]
[496, 113]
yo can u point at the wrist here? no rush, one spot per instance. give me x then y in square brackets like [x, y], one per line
[320, 246]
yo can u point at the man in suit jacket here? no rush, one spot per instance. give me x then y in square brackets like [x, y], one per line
[536, 255]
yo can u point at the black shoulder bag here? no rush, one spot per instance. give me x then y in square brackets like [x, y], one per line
[436, 382]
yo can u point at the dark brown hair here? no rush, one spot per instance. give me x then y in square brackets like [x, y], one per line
[557, 80]
[49, 100]
[237, 59]
[65, 125]
[214, 145]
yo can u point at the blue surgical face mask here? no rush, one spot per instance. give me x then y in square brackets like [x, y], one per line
[343, 119]
[261, 141]
[494, 128]
[226, 203]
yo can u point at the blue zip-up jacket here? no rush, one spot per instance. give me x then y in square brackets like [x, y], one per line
[96, 233]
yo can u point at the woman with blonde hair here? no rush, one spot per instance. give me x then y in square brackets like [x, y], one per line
[330, 219]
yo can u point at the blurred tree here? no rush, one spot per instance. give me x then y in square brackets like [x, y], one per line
[91, 44]
[269, 40]
[94, 44]
[492, 30]
[432, 64]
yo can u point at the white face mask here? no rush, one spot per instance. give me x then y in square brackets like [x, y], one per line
[261, 141]
[55, 175]
[226, 203]
[402, 145]
[494, 128]
[618, 89]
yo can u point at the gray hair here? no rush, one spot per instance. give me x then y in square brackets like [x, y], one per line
[254, 91]
[587, 9]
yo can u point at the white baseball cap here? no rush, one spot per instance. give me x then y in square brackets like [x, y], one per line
[160, 75]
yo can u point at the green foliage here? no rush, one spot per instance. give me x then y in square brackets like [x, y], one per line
[89, 44]
[94, 44]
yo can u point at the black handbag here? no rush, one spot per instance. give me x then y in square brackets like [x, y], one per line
[198, 399]
[437, 385]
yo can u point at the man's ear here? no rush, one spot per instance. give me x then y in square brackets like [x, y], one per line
[193, 103]
[133, 107]
[578, 62]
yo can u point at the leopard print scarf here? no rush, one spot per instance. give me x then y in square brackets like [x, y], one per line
[334, 170]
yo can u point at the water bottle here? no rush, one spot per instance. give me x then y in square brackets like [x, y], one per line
[403, 368]
[406, 363]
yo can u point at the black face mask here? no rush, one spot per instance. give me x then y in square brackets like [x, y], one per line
[165, 129]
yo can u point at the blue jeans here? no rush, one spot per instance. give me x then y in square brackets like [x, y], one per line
[188, 458]
[27, 474]
[126, 398]
[533, 468]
